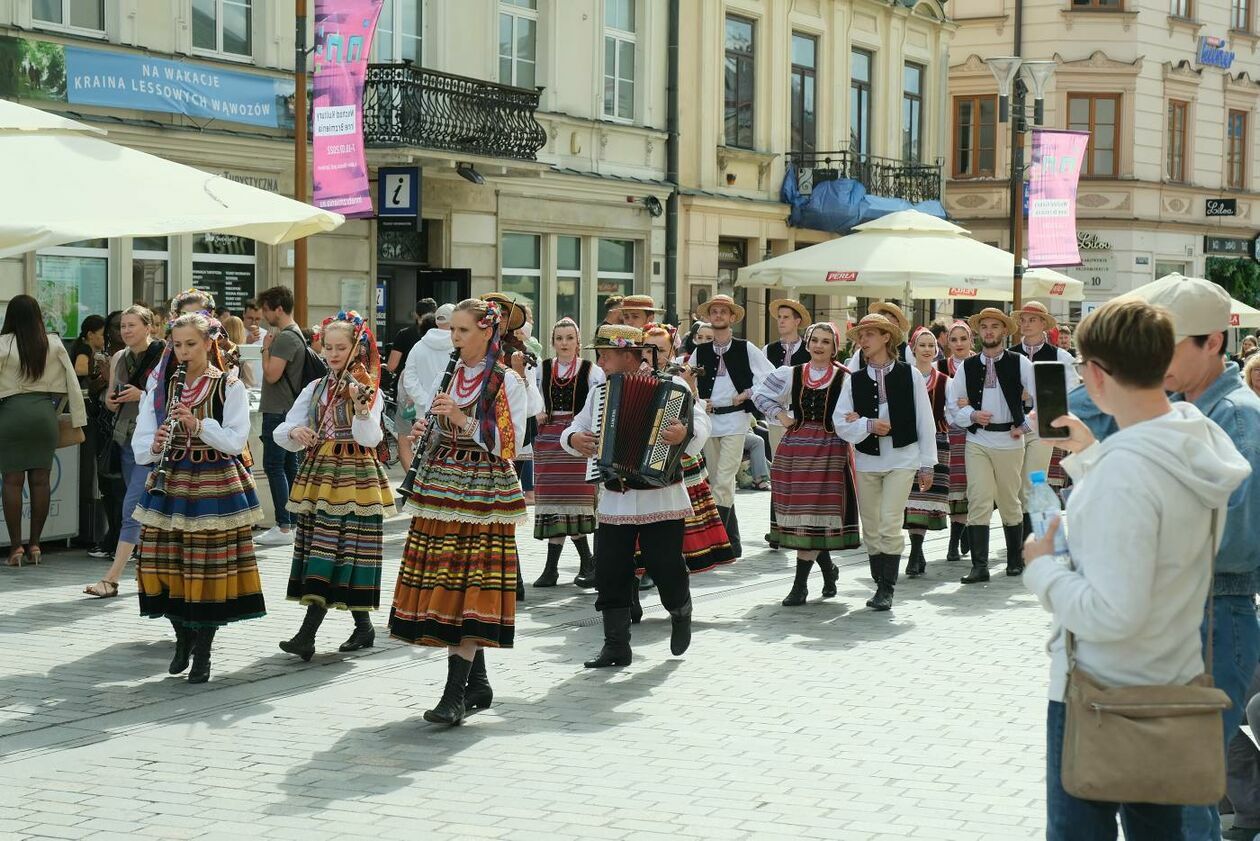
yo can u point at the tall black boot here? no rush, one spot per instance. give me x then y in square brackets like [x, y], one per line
[964, 543]
[680, 629]
[586, 568]
[450, 707]
[732, 532]
[1027, 525]
[956, 533]
[184, 637]
[616, 650]
[551, 573]
[636, 606]
[829, 573]
[979, 555]
[885, 572]
[800, 585]
[200, 671]
[520, 582]
[303, 642]
[774, 521]
[364, 635]
[917, 564]
[478, 694]
[1014, 549]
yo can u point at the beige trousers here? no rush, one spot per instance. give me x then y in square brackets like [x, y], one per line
[1037, 455]
[993, 476]
[882, 507]
[722, 457]
[776, 435]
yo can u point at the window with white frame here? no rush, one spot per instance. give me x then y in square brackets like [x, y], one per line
[223, 26]
[1181, 9]
[88, 15]
[518, 42]
[619, 47]
[569, 278]
[399, 32]
[521, 273]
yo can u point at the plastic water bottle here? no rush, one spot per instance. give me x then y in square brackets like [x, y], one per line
[1043, 507]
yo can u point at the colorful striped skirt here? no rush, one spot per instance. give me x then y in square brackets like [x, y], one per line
[206, 490]
[930, 509]
[199, 578]
[813, 491]
[1056, 476]
[957, 471]
[564, 502]
[463, 482]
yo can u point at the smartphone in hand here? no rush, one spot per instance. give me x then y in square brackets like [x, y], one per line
[1050, 383]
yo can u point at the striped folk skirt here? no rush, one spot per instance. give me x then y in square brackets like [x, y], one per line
[930, 509]
[813, 491]
[564, 502]
[1056, 476]
[957, 471]
[340, 497]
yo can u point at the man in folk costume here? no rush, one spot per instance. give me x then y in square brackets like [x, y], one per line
[646, 518]
[1035, 324]
[885, 412]
[894, 314]
[638, 311]
[730, 367]
[986, 398]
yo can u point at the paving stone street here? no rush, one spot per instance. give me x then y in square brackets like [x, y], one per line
[827, 721]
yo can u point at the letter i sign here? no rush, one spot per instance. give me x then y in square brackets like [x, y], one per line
[397, 190]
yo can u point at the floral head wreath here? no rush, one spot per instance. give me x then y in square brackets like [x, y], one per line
[190, 294]
[365, 350]
[668, 329]
[494, 315]
[224, 355]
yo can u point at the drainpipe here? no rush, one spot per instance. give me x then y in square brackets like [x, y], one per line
[671, 166]
[1018, 100]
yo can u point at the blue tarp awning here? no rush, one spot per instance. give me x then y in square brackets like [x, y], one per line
[838, 204]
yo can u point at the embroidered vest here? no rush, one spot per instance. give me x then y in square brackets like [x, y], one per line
[816, 404]
[569, 397]
[778, 355]
[901, 413]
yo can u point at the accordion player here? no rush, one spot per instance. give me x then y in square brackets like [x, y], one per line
[628, 414]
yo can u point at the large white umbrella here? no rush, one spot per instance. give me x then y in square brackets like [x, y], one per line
[1241, 315]
[907, 254]
[66, 183]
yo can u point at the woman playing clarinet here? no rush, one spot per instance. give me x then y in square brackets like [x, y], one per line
[197, 566]
[457, 584]
[341, 490]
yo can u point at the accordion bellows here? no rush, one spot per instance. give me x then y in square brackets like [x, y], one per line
[629, 413]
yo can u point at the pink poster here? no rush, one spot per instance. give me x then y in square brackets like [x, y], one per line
[1056, 166]
[343, 39]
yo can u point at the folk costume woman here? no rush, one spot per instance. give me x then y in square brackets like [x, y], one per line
[929, 510]
[197, 565]
[960, 349]
[457, 584]
[812, 475]
[564, 502]
[341, 491]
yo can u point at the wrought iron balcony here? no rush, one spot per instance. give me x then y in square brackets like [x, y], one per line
[885, 177]
[405, 105]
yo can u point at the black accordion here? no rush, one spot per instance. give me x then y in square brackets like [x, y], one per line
[628, 415]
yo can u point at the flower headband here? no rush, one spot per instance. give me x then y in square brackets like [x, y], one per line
[494, 314]
[349, 316]
[191, 294]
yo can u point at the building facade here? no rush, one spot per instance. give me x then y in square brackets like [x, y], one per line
[1167, 89]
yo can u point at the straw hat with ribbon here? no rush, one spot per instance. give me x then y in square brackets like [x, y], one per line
[893, 313]
[795, 306]
[737, 312]
[1038, 309]
[616, 337]
[639, 302]
[1012, 327]
[879, 322]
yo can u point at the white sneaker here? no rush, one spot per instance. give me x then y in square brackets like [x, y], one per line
[275, 536]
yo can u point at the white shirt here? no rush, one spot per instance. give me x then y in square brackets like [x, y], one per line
[228, 437]
[992, 401]
[735, 423]
[918, 456]
[655, 505]
[366, 431]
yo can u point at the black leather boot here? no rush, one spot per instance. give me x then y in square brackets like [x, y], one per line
[303, 642]
[680, 630]
[478, 694]
[956, 533]
[829, 573]
[184, 637]
[364, 635]
[732, 532]
[616, 650]
[586, 564]
[979, 555]
[551, 572]
[1014, 549]
[800, 585]
[964, 542]
[200, 671]
[885, 574]
[636, 607]
[1027, 526]
[520, 582]
[917, 564]
[450, 707]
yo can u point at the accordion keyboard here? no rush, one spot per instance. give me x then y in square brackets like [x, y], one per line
[598, 399]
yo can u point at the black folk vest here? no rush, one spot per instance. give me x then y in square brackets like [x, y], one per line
[816, 404]
[569, 396]
[901, 413]
[737, 367]
[778, 355]
[1009, 383]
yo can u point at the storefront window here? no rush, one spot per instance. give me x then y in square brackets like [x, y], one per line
[569, 278]
[150, 269]
[521, 276]
[616, 270]
[226, 267]
[72, 283]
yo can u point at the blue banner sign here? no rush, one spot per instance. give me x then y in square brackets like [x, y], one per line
[1212, 52]
[127, 80]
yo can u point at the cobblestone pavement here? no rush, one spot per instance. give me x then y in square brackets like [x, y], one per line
[826, 721]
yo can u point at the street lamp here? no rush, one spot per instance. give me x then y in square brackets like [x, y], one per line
[1016, 77]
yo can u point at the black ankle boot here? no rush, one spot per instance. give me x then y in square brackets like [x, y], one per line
[1014, 549]
[478, 694]
[882, 600]
[800, 585]
[680, 630]
[616, 650]
[303, 642]
[450, 707]
[917, 564]
[956, 533]
[200, 671]
[586, 568]
[636, 607]
[364, 635]
[520, 582]
[551, 573]
[829, 573]
[184, 637]
[979, 555]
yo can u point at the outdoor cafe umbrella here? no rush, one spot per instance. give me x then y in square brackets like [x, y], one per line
[65, 182]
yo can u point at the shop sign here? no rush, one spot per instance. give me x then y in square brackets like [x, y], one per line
[963, 292]
[1098, 263]
[259, 182]
[1227, 246]
[731, 251]
[1212, 52]
[1222, 207]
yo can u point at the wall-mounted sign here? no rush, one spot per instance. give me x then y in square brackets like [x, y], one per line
[1227, 246]
[398, 196]
[1098, 263]
[1212, 52]
[1222, 207]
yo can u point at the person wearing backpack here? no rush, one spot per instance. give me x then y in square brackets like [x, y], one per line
[285, 367]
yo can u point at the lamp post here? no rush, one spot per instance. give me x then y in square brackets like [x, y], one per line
[1019, 77]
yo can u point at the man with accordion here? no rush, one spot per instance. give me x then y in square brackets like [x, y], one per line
[637, 458]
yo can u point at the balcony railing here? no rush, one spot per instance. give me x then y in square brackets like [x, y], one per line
[886, 177]
[405, 105]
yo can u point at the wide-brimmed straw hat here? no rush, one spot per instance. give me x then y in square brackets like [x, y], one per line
[513, 311]
[1012, 326]
[1038, 309]
[879, 322]
[893, 313]
[737, 312]
[616, 337]
[795, 306]
[639, 302]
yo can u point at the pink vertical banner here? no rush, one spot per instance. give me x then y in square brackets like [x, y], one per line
[343, 40]
[1056, 167]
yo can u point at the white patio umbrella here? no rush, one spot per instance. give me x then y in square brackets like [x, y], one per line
[1241, 315]
[66, 183]
[907, 254]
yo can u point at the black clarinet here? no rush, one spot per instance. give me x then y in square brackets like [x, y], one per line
[421, 450]
[158, 486]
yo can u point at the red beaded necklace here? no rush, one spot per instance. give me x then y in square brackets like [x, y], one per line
[562, 377]
[812, 383]
[464, 388]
